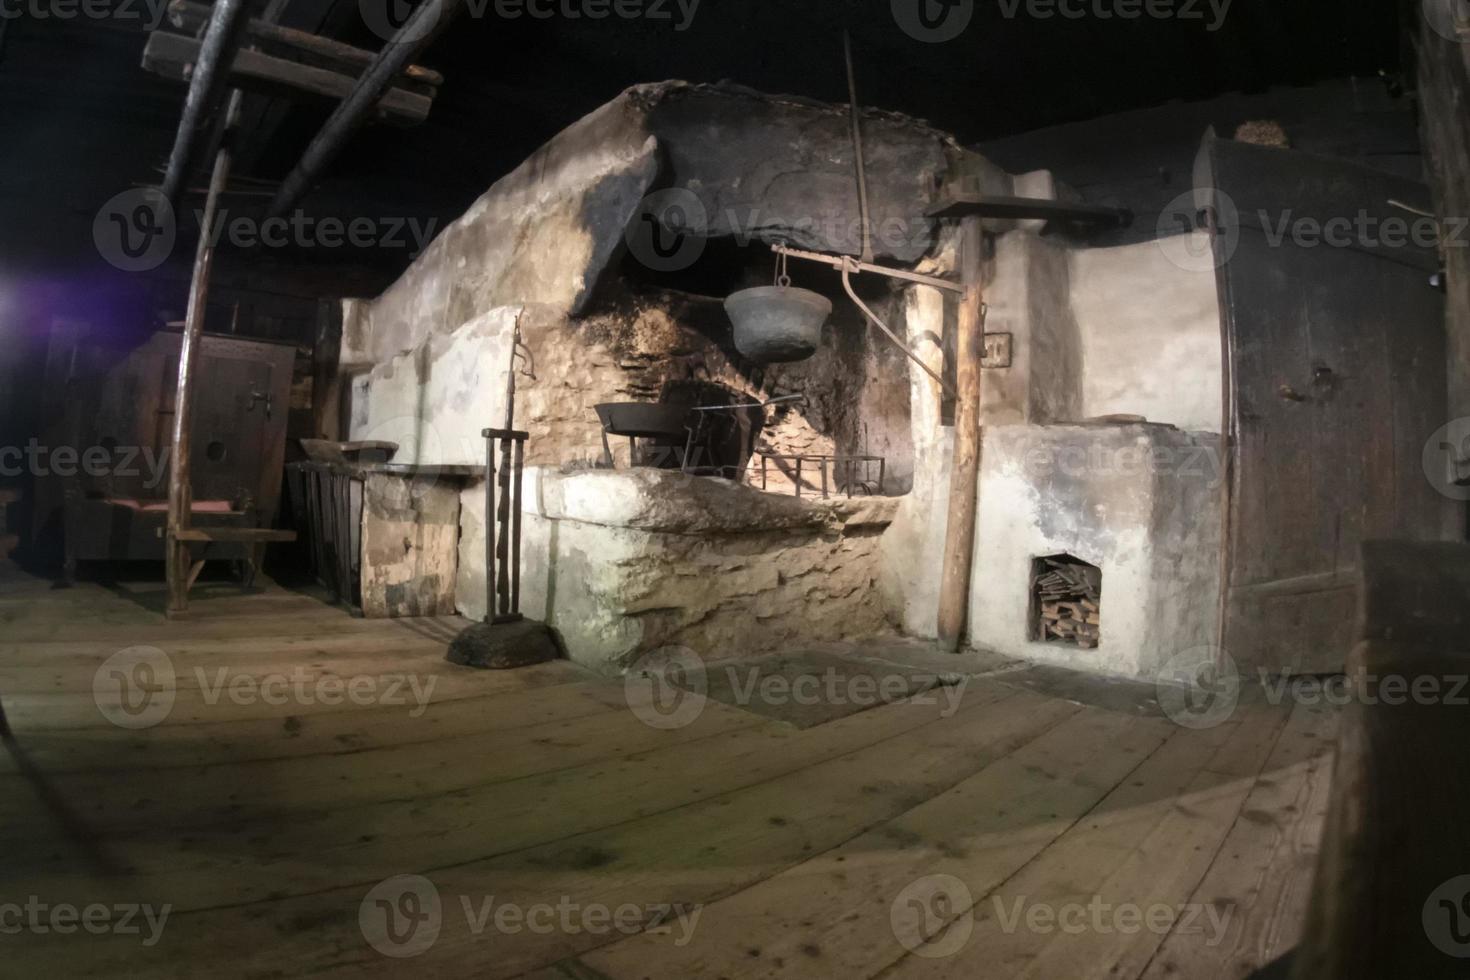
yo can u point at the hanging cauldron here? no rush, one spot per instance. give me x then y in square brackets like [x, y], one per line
[777, 324]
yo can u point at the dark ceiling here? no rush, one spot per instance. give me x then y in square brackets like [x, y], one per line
[82, 121]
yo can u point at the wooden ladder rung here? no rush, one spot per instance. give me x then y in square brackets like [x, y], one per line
[235, 534]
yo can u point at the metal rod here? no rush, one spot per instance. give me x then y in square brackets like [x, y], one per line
[515, 528]
[847, 268]
[206, 92]
[837, 262]
[489, 528]
[391, 60]
[857, 150]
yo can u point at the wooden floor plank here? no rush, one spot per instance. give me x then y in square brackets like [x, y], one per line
[107, 748]
[317, 850]
[1148, 844]
[264, 826]
[831, 915]
[694, 854]
[271, 790]
[1264, 870]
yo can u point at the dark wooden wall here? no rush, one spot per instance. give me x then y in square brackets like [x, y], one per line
[1444, 95]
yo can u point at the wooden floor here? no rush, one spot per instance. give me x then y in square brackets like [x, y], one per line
[896, 842]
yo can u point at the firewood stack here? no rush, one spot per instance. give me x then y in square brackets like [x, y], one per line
[1070, 597]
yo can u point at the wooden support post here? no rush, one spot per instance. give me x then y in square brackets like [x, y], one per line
[180, 495]
[326, 380]
[964, 483]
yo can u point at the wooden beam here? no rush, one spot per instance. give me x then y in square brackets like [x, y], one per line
[190, 18]
[178, 560]
[418, 32]
[1030, 208]
[234, 535]
[207, 79]
[964, 481]
[174, 55]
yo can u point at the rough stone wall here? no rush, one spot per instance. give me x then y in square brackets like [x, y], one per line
[622, 563]
[434, 400]
[410, 547]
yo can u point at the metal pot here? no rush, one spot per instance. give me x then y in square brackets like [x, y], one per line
[777, 324]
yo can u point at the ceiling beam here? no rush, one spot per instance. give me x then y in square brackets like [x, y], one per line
[415, 35]
[206, 93]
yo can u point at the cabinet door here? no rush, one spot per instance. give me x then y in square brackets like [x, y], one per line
[234, 410]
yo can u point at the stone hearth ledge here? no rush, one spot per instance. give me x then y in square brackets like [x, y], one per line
[623, 563]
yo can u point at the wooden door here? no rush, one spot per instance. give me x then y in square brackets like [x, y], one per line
[1336, 363]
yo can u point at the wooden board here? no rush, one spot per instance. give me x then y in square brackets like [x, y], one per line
[1336, 356]
[264, 827]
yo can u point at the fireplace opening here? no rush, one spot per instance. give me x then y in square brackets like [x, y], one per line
[1066, 601]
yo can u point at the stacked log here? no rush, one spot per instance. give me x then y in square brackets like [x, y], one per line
[1069, 596]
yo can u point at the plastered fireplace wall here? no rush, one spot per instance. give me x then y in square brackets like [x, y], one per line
[1122, 331]
[1139, 501]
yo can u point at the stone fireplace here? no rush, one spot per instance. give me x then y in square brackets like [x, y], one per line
[1127, 513]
